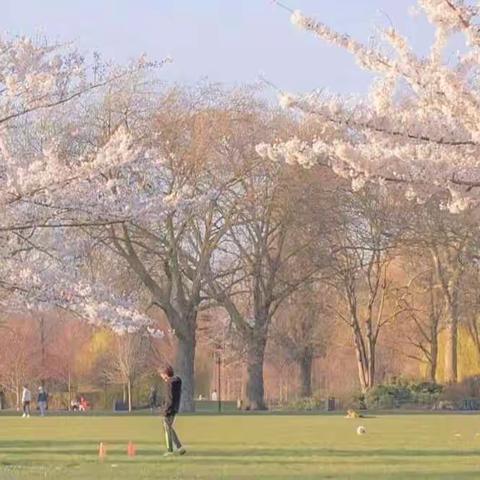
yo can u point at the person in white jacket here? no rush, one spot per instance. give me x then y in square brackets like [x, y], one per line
[26, 399]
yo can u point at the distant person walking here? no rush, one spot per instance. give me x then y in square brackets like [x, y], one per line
[170, 410]
[42, 400]
[153, 398]
[26, 399]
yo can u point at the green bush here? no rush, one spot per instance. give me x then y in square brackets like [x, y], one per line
[305, 405]
[403, 393]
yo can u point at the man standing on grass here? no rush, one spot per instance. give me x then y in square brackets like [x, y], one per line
[171, 407]
[26, 399]
[42, 401]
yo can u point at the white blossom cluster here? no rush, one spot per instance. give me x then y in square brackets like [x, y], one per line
[36, 75]
[43, 284]
[55, 180]
[420, 126]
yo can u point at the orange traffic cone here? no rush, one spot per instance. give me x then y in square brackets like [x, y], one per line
[102, 451]
[131, 449]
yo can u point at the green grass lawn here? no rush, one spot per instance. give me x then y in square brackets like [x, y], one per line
[243, 447]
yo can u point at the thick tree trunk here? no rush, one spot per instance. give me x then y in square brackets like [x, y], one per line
[255, 388]
[361, 359]
[433, 371]
[306, 375]
[450, 292]
[451, 369]
[371, 364]
[365, 362]
[185, 368]
[361, 375]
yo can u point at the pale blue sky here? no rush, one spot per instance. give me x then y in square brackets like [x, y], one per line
[231, 41]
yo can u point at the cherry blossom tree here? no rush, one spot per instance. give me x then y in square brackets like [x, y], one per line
[57, 174]
[419, 127]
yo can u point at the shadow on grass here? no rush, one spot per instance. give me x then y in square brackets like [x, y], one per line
[464, 475]
[92, 470]
[62, 444]
[153, 448]
[330, 452]
[346, 463]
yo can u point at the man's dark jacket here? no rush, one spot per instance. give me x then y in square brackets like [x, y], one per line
[173, 395]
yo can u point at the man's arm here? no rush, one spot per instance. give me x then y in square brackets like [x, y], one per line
[168, 405]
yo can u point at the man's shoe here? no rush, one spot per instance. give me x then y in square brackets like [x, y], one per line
[168, 454]
[181, 451]
[24, 415]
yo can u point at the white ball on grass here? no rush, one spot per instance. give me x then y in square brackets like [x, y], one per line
[361, 430]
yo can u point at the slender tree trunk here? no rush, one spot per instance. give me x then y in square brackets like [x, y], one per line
[306, 375]
[105, 394]
[185, 368]
[255, 387]
[69, 386]
[129, 393]
[434, 355]
[43, 351]
[243, 386]
[434, 323]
